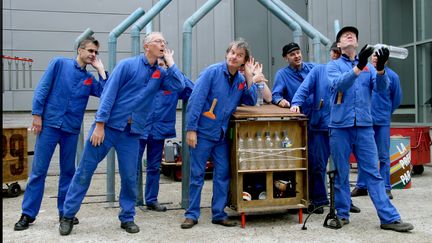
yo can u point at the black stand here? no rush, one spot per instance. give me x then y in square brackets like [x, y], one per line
[332, 214]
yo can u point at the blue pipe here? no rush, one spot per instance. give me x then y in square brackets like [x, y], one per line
[187, 69]
[112, 56]
[307, 28]
[139, 25]
[80, 146]
[294, 26]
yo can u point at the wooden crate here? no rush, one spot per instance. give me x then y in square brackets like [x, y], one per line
[15, 160]
[292, 162]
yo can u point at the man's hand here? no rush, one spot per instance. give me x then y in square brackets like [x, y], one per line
[382, 56]
[169, 57]
[363, 56]
[98, 134]
[258, 75]
[98, 65]
[191, 138]
[36, 124]
[295, 109]
[284, 103]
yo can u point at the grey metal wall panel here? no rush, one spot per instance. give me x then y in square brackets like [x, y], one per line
[100, 6]
[205, 41]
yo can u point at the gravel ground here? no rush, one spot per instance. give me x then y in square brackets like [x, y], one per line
[99, 222]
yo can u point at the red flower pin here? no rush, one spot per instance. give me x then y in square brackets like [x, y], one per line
[156, 74]
[88, 81]
[166, 92]
[242, 85]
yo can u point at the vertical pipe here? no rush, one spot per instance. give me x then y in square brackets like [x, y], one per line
[16, 74]
[30, 74]
[187, 69]
[23, 74]
[297, 34]
[112, 55]
[80, 145]
[10, 74]
[144, 21]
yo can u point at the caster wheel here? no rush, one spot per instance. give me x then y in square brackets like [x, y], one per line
[14, 189]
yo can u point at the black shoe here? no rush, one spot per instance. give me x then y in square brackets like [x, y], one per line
[66, 226]
[398, 226]
[188, 223]
[130, 227]
[315, 209]
[389, 194]
[225, 222]
[23, 222]
[156, 207]
[358, 192]
[354, 209]
[333, 223]
[75, 220]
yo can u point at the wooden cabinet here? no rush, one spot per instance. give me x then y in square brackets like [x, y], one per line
[268, 175]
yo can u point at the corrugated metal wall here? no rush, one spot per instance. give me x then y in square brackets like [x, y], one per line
[43, 29]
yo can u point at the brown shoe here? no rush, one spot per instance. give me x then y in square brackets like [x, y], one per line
[225, 222]
[188, 223]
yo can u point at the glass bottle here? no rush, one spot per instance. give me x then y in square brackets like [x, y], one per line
[269, 162]
[277, 144]
[286, 143]
[250, 144]
[260, 89]
[242, 154]
[395, 51]
[259, 145]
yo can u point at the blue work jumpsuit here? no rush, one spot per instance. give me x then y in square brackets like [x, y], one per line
[286, 83]
[125, 101]
[60, 99]
[212, 142]
[351, 131]
[160, 125]
[316, 85]
[383, 105]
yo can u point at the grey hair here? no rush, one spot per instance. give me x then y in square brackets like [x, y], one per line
[241, 44]
[148, 37]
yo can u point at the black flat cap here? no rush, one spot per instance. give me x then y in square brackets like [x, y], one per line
[346, 29]
[289, 48]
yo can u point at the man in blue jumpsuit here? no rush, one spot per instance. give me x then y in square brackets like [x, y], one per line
[316, 86]
[160, 125]
[383, 105]
[206, 136]
[59, 103]
[288, 79]
[352, 80]
[120, 120]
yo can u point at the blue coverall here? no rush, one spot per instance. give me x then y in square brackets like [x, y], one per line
[127, 96]
[286, 83]
[351, 131]
[212, 142]
[60, 99]
[160, 125]
[316, 85]
[383, 105]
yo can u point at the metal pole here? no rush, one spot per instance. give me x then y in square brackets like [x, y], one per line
[144, 21]
[294, 26]
[80, 145]
[187, 69]
[112, 53]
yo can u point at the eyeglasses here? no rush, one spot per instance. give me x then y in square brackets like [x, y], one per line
[160, 41]
[92, 51]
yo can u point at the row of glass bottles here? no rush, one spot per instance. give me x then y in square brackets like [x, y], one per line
[268, 153]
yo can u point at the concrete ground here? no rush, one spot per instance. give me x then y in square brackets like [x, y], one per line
[99, 222]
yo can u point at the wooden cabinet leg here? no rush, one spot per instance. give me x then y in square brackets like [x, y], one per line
[300, 215]
[243, 220]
